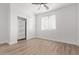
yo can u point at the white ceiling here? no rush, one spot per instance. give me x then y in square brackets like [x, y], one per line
[52, 6]
[29, 7]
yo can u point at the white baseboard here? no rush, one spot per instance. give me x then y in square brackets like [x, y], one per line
[30, 37]
[12, 42]
[68, 42]
[73, 43]
[2, 42]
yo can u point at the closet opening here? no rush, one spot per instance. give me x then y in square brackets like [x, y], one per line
[22, 28]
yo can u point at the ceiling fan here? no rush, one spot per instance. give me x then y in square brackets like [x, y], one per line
[42, 4]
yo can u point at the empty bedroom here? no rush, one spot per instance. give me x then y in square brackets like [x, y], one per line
[39, 28]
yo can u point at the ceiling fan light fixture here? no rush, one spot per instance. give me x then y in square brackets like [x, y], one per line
[41, 5]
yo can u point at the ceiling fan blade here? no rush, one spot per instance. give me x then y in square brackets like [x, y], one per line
[46, 6]
[36, 3]
[39, 3]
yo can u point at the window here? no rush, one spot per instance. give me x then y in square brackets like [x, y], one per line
[48, 22]
[44, 23]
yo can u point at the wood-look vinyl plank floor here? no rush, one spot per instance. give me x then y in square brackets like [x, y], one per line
[39, 46]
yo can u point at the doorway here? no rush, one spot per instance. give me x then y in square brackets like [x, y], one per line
[22, 25]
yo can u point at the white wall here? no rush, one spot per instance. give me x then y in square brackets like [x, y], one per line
[66, 25]
[78, 23]
[19, 9]
[4, 22]
[31, 27]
